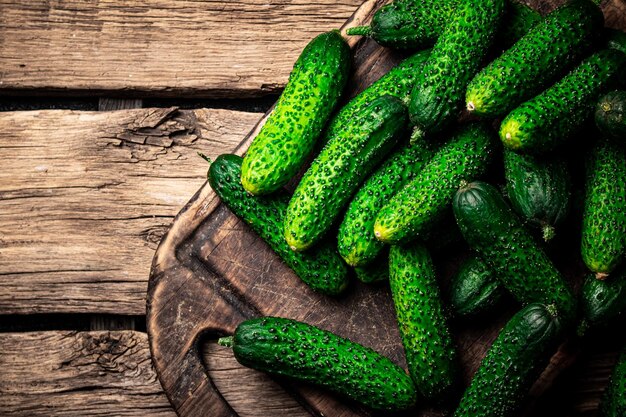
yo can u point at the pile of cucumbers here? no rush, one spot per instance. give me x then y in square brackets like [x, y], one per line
[475, 137]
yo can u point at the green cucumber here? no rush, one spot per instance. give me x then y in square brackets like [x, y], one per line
[457, 56]
[356, 240]
[375, 271]
[615, 39]
[547, 120]
[307, 353]
[339, 169]
[322, 269]
[514, 361]
[290, 133]
[611, 115]
[602, 301]
[613, 402]
[492, 229]
[536, 61]
[475, 289]
[539, 190]
[417, 207]
[430, 353]
[603, 244]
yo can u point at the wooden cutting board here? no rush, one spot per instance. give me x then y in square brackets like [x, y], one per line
[211, 272]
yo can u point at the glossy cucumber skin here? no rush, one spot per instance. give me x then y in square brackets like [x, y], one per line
[430, 353]
[614, 399]
[603, 300]
[417, 207]
[547, 120]
[356, 240]
[322, 269]
[536, 61]
[300, 351]
[344, 163]
[611, 115]
[456, 57]
[492, 229]
[475, 289]
[603, 244]
[512, 364]
[290, 133]
[539, 189]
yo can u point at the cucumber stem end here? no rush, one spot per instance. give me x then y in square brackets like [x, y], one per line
[359, 31]
[225, 341]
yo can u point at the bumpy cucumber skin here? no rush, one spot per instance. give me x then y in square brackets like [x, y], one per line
[413, 211]
[297, 350]
[544, 54]
[375, 271]
[492, 229]
[430, 353]
[614, 399]
[539, 190]
[340, 168]
[545, 121]
[512, 364]
[611, 115]
[289, 134]
[356, 240]
[603, 244]
[475, 289]
[438, 95]
[603, 301]
[322, 268]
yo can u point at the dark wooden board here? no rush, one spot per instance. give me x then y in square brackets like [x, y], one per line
[211, 272]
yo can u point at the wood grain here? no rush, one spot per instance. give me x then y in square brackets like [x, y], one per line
[158, 47]
[86, 196]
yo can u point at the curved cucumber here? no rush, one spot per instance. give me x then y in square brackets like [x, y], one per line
[603, 244]
[492, 229]
[413, 211]
[611, 115]
[603, 301]
[512, 364]
[300, 351]
[340, 168]
[547, 120]
[428, 346]
[322, 268]
[289, 134]
[539, 190]
[614, 399]
[544, 54]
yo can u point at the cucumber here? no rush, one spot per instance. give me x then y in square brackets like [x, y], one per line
[615, 39]
[303, 352]
[413, 211]
[602, 301]
[611, 115]
[536, 61]
[430, 353]
[613, 402]
[457, 56]
[356, 240]
[322, 269]
[475, 289]
[547, 120]
[339, 169]
[492, 229]
[513, 363]
[603, 244]
[290, 133]
[539, 190]
[375, 271]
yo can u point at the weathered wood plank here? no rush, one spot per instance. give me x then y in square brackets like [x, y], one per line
[159, 48]
[86, 196]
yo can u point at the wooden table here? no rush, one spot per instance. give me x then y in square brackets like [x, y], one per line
[86, 195]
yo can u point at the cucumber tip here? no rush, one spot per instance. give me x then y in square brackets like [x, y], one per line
[602, 275]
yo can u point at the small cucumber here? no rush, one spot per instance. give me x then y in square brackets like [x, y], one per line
[339, 169]
[492, 229]
[614, 399]
[536, 61]
[303, 352]
[603, 301]
[415, 209]
[375, 271]
[547, 120]
[611, 115]
[512, 364]
[475, 289]
[539, 189]
[322, 269]
[289, 134]
[430, 353]
[603, 244]
[457, 56]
